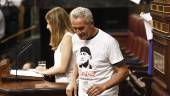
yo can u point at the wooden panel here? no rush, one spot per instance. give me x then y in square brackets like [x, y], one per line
[32, 88]
[160, 12]
[161, 7]
[161, 65]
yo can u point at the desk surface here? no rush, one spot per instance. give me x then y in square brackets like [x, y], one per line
[31, 88]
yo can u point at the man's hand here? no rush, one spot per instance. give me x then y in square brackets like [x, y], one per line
[95, 90]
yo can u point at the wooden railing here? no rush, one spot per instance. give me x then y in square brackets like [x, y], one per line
[18, 34]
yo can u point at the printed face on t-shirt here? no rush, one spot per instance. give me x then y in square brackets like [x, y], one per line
[84, 57]
[86, 70]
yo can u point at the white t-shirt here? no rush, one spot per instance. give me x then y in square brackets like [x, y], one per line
[57, 58]
[94, 58]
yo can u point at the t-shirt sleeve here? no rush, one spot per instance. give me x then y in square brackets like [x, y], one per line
[114, 52]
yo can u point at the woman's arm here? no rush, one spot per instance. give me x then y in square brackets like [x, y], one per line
[66, 55]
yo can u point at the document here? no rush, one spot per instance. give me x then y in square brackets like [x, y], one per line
[148, 29]
[29, 72]
[148, 26]
[136, 1]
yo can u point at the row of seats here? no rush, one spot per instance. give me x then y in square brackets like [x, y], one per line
[136, 25]
[136, 52]
[136, 48]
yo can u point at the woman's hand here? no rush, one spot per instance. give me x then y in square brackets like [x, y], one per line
[71, 88]
[40, 68]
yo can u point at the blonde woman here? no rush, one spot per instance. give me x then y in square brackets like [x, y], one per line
[61, 31]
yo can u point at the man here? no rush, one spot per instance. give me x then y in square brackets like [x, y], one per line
[105, 70]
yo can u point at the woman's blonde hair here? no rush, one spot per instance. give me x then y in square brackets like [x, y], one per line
[59, 20]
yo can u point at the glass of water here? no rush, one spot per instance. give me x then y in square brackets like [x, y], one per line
[42, 65]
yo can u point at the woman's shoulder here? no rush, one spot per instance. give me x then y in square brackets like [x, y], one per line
[67, 37]
[69, 33]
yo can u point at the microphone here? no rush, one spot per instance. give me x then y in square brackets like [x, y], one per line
[26, 45]
[23, 49]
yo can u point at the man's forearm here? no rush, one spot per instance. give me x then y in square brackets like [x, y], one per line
[120, 75]
[74, 74]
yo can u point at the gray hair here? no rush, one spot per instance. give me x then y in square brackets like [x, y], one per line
[82, 12]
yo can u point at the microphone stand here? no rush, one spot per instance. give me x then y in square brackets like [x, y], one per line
[17, 59]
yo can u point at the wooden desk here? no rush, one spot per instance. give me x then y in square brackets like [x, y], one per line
[31, 88]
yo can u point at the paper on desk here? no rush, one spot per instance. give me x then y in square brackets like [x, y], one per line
[136, 1]
[147, 22]
[148, 29]
[146, 16]
[29, 72]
